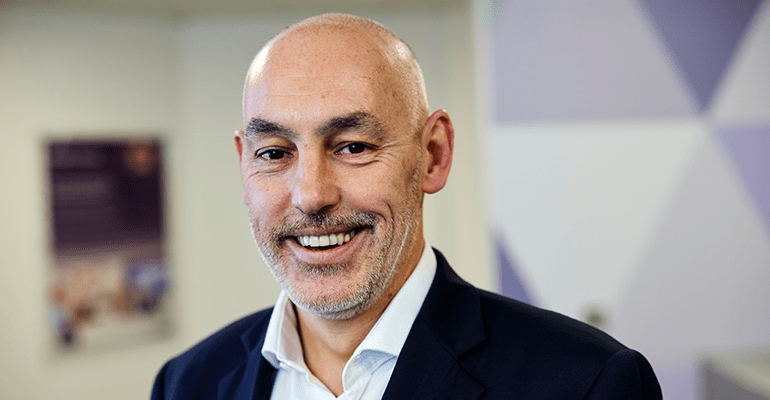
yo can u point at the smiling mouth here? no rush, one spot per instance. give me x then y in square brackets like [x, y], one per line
[322, 242]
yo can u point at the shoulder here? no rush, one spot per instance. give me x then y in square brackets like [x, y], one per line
[512, 321]
[199, 369]
[558, 356]
[225, 344]
[527, 350]
[510, 324]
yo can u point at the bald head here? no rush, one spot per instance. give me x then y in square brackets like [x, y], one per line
[320, 52]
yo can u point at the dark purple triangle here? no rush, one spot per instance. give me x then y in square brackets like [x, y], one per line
[702, 36]
[511, 284]
[749, 149]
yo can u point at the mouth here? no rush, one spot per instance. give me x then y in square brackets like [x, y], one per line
[328, 241]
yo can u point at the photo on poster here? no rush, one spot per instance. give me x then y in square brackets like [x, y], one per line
[109, 273]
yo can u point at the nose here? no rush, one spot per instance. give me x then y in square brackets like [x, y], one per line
[315, 184]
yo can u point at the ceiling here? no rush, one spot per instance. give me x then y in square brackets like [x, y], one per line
[185, 7]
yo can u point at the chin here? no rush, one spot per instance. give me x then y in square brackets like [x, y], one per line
[337, 312]
[338, 301]
[340, 307]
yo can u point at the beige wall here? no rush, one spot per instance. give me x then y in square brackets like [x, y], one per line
[82, 74]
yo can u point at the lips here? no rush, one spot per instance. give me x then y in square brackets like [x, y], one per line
[332, 239]
[319, 238]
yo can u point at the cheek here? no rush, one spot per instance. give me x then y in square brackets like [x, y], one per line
[377, 191]
[262, 200]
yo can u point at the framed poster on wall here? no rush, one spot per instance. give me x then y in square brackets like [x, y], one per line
[109, 273]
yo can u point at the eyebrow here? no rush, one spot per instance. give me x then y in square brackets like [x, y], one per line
[358, 120]
[261, 127]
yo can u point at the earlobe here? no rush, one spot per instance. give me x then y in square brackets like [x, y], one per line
[439, 146]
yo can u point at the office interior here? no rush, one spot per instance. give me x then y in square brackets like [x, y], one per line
[612, 162]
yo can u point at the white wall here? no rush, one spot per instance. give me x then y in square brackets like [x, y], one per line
[78, 74]
[65, 75]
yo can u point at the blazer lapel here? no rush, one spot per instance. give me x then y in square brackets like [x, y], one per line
[448, 326]
[252, 380]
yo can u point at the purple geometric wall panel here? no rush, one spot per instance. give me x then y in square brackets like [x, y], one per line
[702, 36]
[749, 149]
[577, 60]
[511, 284]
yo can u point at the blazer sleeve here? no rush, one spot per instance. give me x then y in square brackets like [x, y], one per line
[626, 375]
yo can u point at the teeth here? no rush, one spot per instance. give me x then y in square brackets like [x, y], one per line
[326, 240]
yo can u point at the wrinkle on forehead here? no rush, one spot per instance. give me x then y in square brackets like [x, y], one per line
[308, 99]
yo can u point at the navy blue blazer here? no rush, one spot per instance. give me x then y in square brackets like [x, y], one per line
[465, 344]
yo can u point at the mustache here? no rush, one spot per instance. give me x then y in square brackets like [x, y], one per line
[294, 225]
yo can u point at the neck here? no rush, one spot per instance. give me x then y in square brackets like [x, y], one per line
[328, 344]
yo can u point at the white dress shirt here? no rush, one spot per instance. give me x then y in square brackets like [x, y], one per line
[368, 371]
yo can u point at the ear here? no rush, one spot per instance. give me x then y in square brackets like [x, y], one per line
[438, 144]
[239, 149]
[239, 146]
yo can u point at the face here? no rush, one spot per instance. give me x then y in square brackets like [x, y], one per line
[332, 178]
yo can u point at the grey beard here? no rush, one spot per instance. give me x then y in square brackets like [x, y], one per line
[364, 295]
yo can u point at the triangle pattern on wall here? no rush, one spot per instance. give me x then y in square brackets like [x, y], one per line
[710, 252]
[744, 92]
[702, 37]
[511, 283]
[749, 150]
[567, 60]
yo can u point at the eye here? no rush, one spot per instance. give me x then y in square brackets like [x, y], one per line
[272, 154]
[354, 148]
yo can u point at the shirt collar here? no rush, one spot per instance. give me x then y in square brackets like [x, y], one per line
[283, 349]
[282, 345]
[389, 333]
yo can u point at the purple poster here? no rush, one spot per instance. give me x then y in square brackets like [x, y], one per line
[109, 277]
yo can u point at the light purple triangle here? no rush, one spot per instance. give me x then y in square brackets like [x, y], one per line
[702, 36]
[510, 284]
[749, 149]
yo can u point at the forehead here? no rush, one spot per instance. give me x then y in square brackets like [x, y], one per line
[312, 76]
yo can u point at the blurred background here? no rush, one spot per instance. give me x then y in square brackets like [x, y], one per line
[612, 164]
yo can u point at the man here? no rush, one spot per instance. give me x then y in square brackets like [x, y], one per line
[338, 151]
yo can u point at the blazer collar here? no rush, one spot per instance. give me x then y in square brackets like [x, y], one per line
[448, 326]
